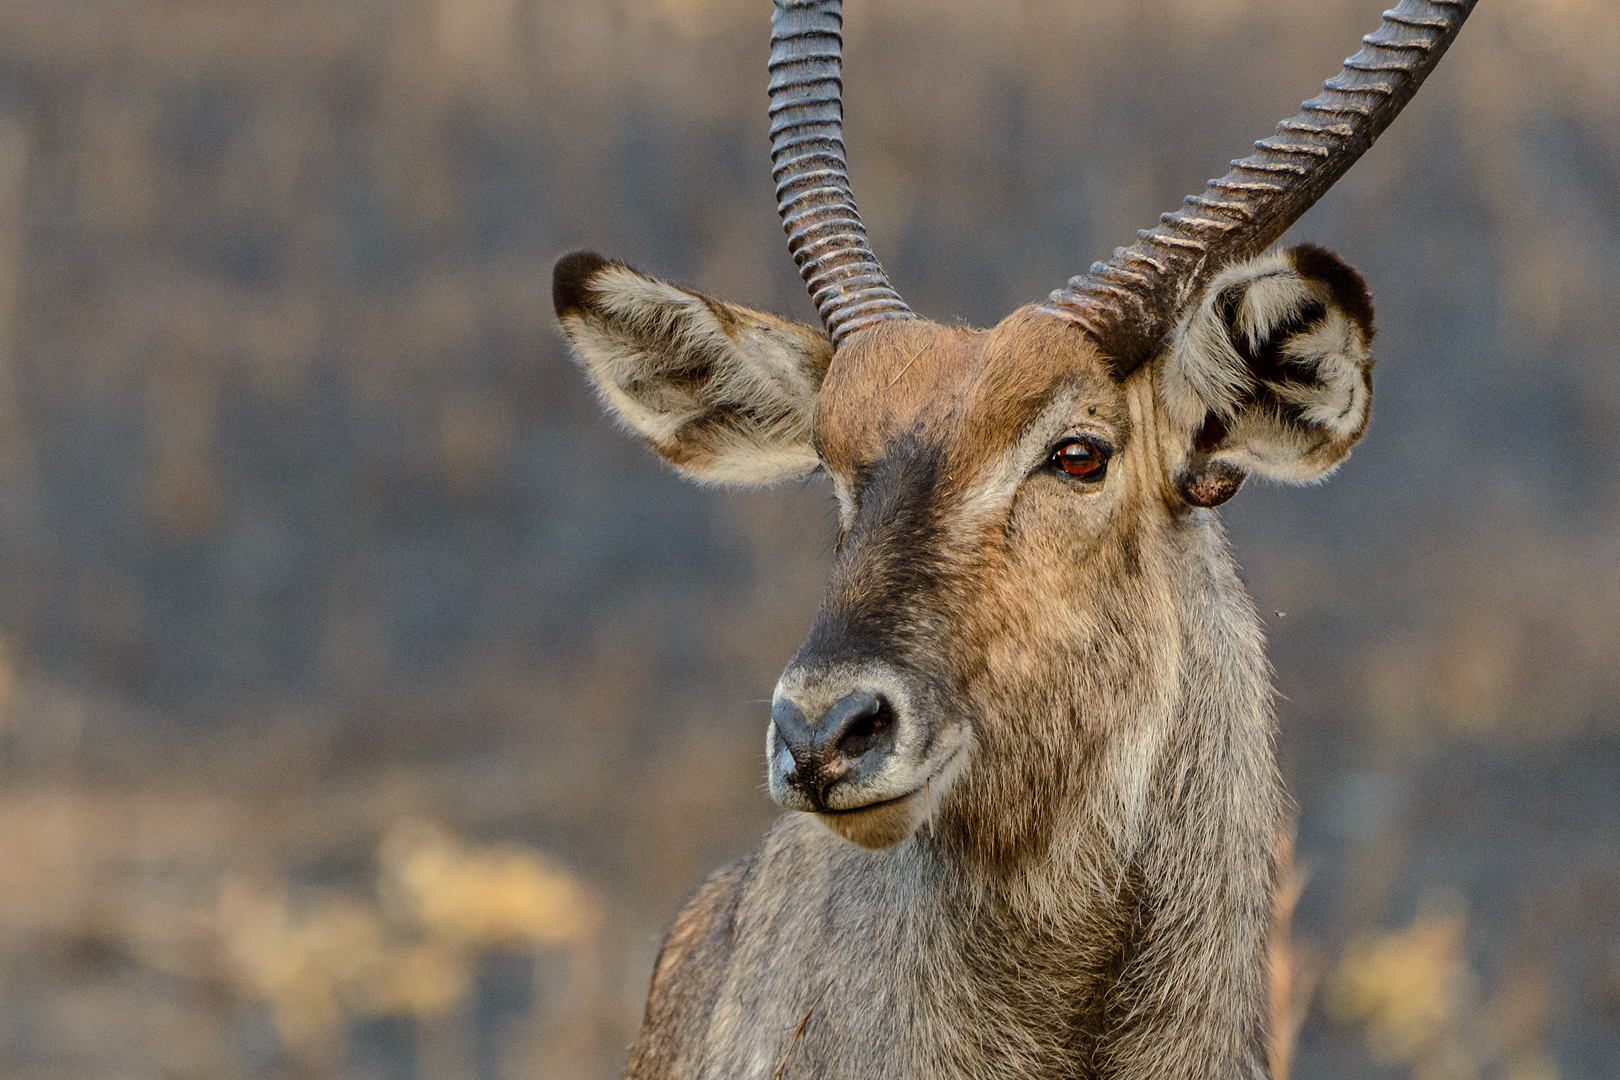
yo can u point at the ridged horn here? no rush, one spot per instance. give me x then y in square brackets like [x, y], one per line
[825, 234]
[1127, 303]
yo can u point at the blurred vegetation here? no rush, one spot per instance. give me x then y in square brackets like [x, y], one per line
[1422, 1005]
[367, 703]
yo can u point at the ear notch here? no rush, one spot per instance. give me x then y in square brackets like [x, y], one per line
[726, 394]
[1204, 479]
[1271, 373]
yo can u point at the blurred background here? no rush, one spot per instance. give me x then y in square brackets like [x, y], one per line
[368, 703]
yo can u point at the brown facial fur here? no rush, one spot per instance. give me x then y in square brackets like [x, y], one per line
[1009, 596]
[970, 391]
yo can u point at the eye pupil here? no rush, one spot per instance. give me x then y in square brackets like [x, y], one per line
[1080, 459]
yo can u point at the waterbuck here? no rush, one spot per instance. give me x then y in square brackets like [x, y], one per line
[1026, 747]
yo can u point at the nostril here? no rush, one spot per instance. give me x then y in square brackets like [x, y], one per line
[794, 732]
[866, 728]
[820, 752]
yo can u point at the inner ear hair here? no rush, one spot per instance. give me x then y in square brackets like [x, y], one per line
[1269, 372]
[724, 393]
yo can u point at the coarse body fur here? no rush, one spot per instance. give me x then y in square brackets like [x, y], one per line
[1061, 863]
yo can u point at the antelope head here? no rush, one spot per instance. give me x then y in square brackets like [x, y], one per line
[1024, 529]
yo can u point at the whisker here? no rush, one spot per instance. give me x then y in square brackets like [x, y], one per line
[907, 368]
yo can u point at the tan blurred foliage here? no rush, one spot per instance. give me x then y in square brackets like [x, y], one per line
[161, 879]
[1422, 1006]
[1294, 967]
[503, 895]
[412, 951]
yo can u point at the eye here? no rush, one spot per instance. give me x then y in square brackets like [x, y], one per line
[1082, 458]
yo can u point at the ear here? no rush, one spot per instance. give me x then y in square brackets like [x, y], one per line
[726, 394]
[1270, 373]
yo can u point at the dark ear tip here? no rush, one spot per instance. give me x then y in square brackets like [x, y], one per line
[571, 280]
[1349, 288]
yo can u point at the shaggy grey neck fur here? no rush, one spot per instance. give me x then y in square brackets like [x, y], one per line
[1126, 942]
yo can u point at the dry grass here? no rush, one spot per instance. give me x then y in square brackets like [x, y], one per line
[1294, 967]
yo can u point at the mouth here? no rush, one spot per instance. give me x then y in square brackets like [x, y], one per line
[824, 812]
[886, 822]
[938, 778]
